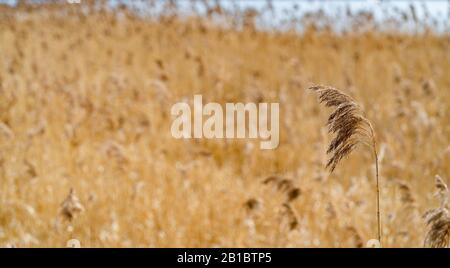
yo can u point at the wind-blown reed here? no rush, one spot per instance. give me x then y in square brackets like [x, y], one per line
[350, 128]
[438, 219]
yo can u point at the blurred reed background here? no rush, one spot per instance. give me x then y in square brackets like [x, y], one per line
[86, 151]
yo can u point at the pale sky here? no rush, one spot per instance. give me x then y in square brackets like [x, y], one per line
[438, 9]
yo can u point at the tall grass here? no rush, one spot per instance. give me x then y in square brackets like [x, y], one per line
[85, 98]
[351, 129]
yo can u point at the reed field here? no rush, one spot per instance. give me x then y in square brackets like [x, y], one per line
[86, 152]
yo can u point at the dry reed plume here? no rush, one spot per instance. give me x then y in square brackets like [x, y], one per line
[71, 206]
[438, 219]
[350, 128]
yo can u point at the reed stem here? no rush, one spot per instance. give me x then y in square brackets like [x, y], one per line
[374, 147]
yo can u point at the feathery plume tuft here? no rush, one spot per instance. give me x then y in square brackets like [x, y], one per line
[442, 190]
[350, 128]
[346, 122]
[438, 219]
[71, 206]
[438, 234]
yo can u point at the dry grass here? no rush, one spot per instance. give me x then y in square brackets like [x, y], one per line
[71, 207]
[438, 220]
[85, 104]
[351, 128]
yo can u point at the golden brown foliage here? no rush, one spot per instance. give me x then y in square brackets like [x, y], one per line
[85, 104]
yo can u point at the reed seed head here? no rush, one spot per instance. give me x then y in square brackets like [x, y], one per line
[71, 206]
[346, 122]
[438, 219]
